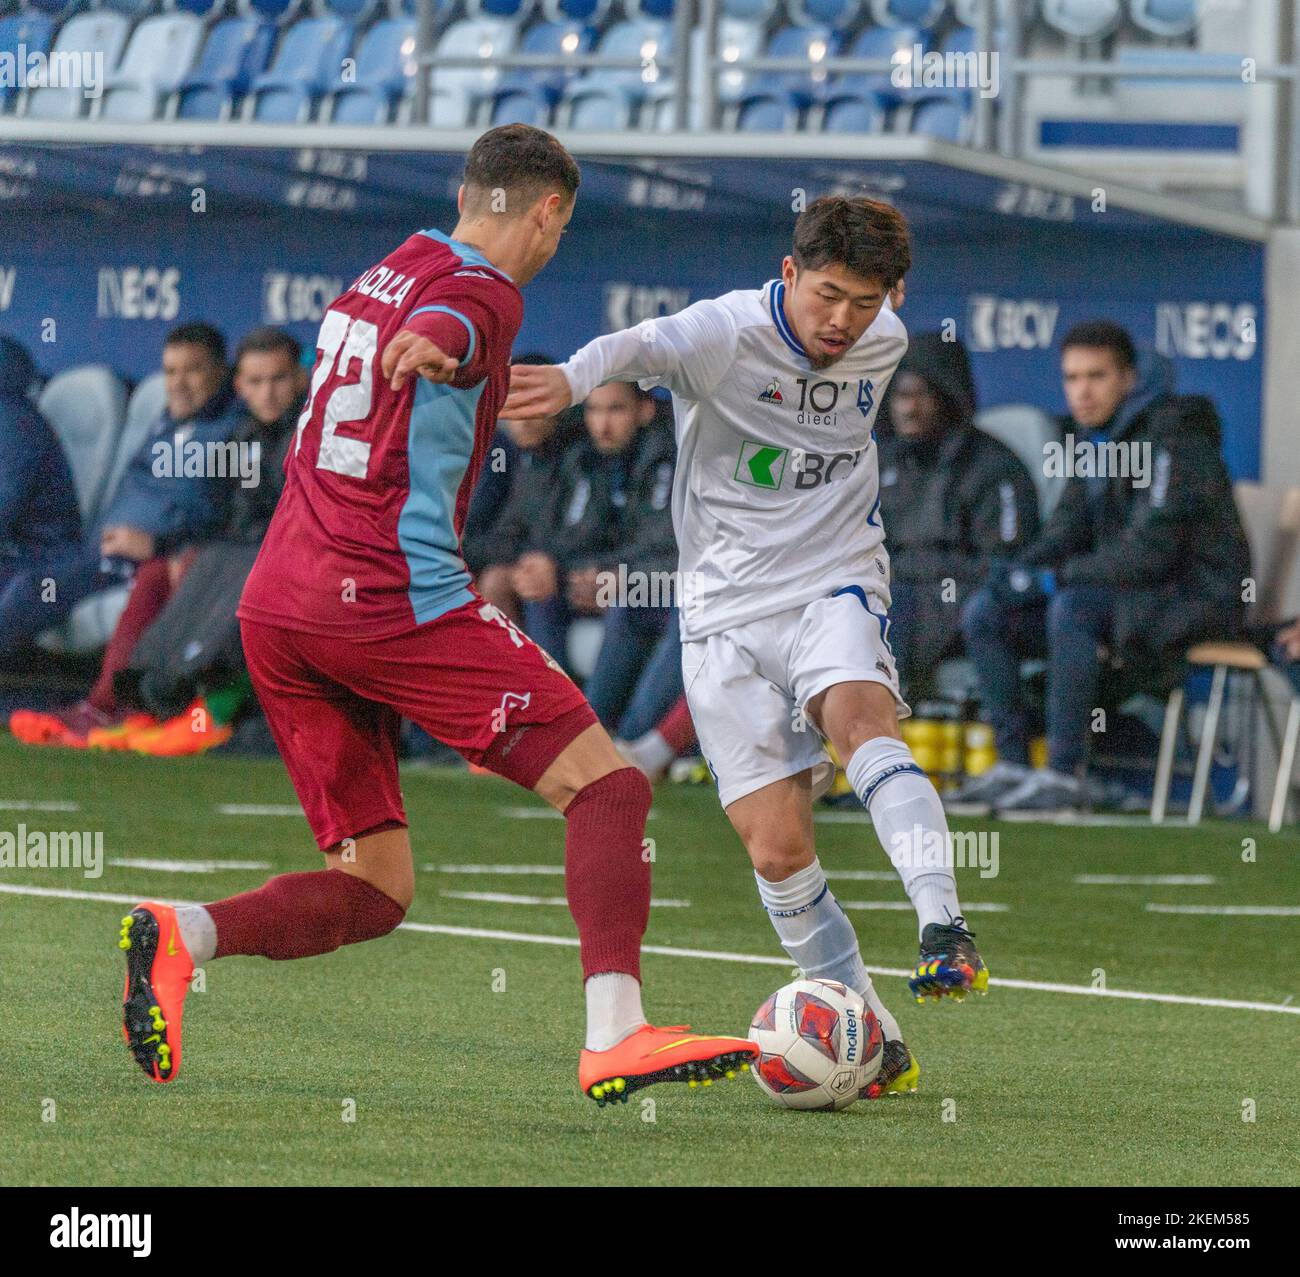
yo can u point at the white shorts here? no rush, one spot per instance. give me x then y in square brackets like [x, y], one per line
[749, 687]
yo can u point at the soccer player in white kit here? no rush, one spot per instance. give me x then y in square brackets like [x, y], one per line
[784, 590]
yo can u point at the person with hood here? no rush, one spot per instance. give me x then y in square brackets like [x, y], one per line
[40, 523]
[159, 511]
[953, 498]
[1144, 556]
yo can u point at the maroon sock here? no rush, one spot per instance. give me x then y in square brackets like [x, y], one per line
[150, 591]
[606, 874]
[303, 914]
[677, 728]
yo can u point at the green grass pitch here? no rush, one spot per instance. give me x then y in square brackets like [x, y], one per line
[455, 1056]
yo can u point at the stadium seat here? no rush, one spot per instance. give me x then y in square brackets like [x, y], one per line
[143, 409]
[943, 118]
[767, 114]
[802, 88]
[516, 11]
[384, 67]
[53, 8]
[649, 10]
[877, 42]
[307, 65]
[1027, 431]
[29, 30]
[156, 61]
[236, 50]
[555, 39]
[1168, 19]
[199, 8]
[456, 92]
[355, 12]
[82, 37]
[854, 115]
[1082, 19]
[132, 9]
[86, 407]
[590, 13]
[907, 13]
[839, 15]
[278, 11]
[611, 99]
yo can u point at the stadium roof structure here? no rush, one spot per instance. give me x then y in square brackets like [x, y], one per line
[370, 173]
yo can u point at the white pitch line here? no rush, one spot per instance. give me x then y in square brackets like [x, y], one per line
[906, 906]
[32, 804]
[542, 813]
[495, 869]
[189, 866]
[711, 955]
[504, 898]
[1231, 911]
[259, 809]
[1145, 880]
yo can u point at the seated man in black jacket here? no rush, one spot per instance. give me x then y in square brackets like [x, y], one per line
[510, 505]
[953, 499]
[1144, 556]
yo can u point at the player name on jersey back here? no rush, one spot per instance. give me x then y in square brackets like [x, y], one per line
[366, 538]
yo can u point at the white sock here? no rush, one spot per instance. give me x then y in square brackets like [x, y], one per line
[650, 752]
[910, 824]
[613, 1009]
[818, 935]
[198, 932]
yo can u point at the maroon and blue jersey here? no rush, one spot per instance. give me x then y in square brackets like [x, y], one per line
[365, 541]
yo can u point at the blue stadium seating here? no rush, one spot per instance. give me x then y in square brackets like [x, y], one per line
[612, 99]
[161, 51]
[877, 42]
[236, 50]
[854, 115]
[767, 113]
[516, 11]
[944, 118]
[456, 92]
[100, 31]
[55, 8]
[384, 67]
[279, 11]
[30, 30]
[907, 13]
[133, 9]
[199, 8]
[1082, 19]
[839, 15]
[757, 11]
[307, 65]
[590, 12]
[813, 43]
[1168, 19]
[528, 96]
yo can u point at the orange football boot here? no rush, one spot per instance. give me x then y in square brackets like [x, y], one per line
[653, 1055]
[179, 736]
[158, 973]
[115, 737]
[68, 727]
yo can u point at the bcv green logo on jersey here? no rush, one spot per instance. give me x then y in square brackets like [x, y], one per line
[763, 465]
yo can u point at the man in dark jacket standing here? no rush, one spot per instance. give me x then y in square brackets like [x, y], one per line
[40, 523]
[952, 498]
[1144, 556]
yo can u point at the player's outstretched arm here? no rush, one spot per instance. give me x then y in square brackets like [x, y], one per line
[410, 353]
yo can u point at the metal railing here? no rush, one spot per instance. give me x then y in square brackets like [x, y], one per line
[994, 127]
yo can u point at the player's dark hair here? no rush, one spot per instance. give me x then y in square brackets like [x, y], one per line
[1103, 334]
[199, 334]
[268, 341]
[866, 237]
[523, 164]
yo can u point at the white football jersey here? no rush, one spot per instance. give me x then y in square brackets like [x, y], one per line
[775, 499]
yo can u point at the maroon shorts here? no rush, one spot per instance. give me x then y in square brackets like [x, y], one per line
[470, 678]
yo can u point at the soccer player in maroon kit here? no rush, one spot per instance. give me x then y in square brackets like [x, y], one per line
[360, 611]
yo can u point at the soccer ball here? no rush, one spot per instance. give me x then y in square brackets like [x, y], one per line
[820, 1045]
